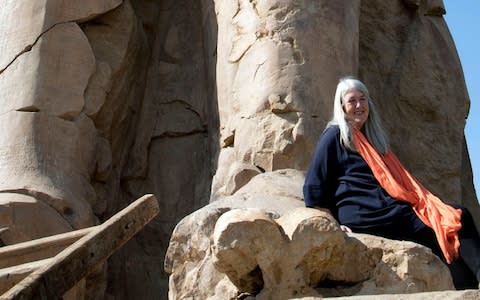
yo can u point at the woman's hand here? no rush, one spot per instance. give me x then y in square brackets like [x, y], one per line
[345, 229]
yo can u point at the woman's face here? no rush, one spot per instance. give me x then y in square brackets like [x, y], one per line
[355, 105]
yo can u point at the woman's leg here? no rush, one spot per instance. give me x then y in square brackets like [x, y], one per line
[470, 244]
[462, 276]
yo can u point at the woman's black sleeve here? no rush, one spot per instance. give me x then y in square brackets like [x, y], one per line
[321, 179]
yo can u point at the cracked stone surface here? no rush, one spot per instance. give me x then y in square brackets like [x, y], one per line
[262, 50]
[48, 149]
[61, 57]
[206, 101]
[24, 21]
[302, 253]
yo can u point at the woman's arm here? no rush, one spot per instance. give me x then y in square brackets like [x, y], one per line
[321, 178]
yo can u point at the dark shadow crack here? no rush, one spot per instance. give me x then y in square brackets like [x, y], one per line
[47, 199]
[30, 108]
[29, 47]
[175, 134]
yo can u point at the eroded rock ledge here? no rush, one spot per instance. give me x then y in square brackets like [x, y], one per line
[281, 250]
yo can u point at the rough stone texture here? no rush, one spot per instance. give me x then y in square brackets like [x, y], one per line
[24, 21]
[410, 80]
[193, 272]
[198, 101]
[444, 295]
[302, 253]
[274, 96]
[174, 138]
[48, 145]
[49, 65]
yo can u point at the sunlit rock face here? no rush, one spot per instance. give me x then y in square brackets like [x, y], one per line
[303, 253]
[104, 101]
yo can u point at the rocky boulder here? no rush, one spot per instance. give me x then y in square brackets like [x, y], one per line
[104, 101]
[226, 251]
[262, 241]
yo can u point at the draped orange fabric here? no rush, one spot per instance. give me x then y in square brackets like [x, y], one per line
[401, 185]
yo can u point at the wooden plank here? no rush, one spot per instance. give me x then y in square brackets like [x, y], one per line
[39, 249]
[76, 261]
[9, 277]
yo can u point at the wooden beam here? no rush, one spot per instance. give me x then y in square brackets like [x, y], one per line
[75, 262]
[38, 249]
[9, 277]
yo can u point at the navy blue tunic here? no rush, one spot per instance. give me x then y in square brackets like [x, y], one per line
[341, 180]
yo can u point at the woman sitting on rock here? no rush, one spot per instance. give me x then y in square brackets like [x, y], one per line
[360, 181]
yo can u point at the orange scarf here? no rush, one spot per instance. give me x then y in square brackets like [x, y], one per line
[401, 185]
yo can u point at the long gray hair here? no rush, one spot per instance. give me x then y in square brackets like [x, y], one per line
[372, 128]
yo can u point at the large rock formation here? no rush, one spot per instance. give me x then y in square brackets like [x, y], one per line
[235, 252]
[274, 95]
[264, 244]
[106, 100]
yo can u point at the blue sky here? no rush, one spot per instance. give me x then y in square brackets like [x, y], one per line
[464, 22]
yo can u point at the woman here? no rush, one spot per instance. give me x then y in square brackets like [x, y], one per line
[356, 177]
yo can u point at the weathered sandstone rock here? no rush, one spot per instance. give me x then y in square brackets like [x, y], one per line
[104, 101]
[49, 145]
[408, 76]
[35, 81]
[301, 253]
[443, 295]
[24, 21]
[273, 94]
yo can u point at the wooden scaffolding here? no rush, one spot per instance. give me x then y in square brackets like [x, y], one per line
[54, 267]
